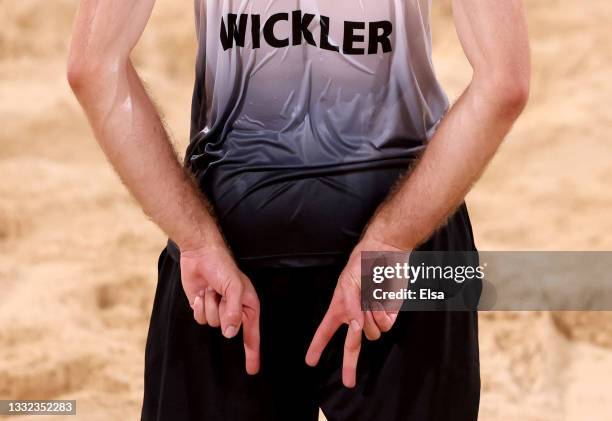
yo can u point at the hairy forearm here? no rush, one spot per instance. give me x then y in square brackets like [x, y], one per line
[131, 134]
[463, 144]
[494, 37]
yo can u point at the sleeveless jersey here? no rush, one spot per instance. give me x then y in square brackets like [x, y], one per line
[304, 114]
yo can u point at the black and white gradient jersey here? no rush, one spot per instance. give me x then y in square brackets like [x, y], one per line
[304, 114]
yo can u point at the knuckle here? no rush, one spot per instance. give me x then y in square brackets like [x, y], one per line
[234, 287]
[251, 313]
[226, 285]
[232, 315]
[252, 299]
[387, 324]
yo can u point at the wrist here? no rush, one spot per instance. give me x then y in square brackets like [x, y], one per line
[384, 239]
[206, 245]
[205, 250]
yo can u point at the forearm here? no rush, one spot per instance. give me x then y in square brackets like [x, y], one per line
[126, 123]
[131, 134]
[463, 144]
[494, 37]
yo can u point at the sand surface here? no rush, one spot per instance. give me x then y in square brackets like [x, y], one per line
[78, 258]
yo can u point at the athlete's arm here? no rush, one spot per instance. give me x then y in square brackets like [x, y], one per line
[132, 135]
[494, 37]
[493, 34]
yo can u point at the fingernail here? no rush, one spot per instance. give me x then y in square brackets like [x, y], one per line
[230, 331]
[393, 316]
[195, 301]
[355, 325]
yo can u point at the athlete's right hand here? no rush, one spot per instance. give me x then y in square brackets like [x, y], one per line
[221, 295]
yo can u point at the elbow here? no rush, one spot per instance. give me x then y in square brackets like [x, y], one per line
[76, 78]
[86, 73]
[514, 95]
[79, 74]
[507, 94]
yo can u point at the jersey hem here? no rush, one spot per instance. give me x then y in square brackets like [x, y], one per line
[288, 260]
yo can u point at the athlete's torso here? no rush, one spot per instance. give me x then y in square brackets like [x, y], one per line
[304, 113]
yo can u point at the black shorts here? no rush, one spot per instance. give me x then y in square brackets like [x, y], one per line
[425, 368]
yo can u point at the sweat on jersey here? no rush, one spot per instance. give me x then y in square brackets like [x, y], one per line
[304, 114]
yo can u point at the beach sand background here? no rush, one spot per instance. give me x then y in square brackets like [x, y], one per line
[78, 258]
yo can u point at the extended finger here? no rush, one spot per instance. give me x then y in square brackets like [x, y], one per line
[211, 307]
[326, 330]
[231, 309]
[250, 333]
[352, 346]
[370, 328]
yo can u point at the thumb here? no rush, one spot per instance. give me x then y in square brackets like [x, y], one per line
[231, 311]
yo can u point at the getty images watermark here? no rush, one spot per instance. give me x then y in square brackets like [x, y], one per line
[468, 281]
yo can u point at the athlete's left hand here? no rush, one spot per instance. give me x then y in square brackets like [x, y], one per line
[345, 308]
